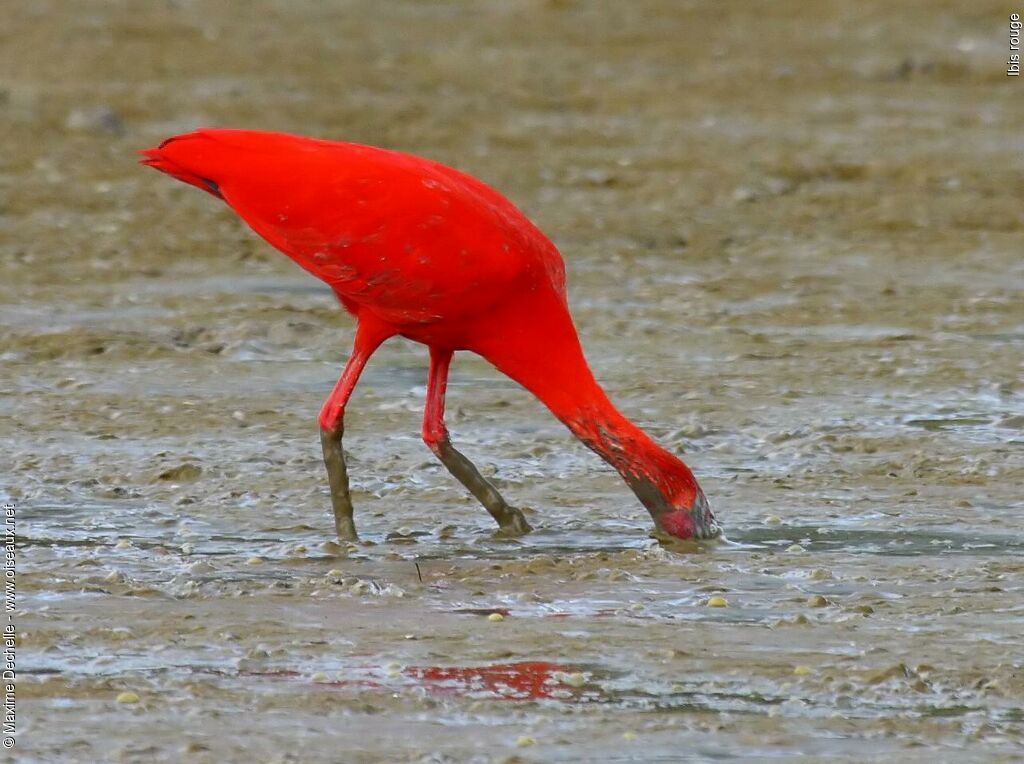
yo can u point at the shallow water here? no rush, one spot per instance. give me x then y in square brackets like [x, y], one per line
[793, 255]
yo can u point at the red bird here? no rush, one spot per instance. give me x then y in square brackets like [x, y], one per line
[414, 248]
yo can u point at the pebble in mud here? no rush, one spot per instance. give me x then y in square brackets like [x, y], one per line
[717, 601]
[332, 548]
[183, 473]
[102, 118]
[495, 617]
[573, 679]
[127, 697]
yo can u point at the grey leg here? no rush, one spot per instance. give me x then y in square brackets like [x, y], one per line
[332, 427]
[337, 476]
[435, 435]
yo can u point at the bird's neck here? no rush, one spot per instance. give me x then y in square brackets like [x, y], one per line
[660, 480]
[549, 362]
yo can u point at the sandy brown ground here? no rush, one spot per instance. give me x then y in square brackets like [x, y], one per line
[794, 235]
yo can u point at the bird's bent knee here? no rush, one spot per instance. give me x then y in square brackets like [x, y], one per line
[330, 422]
[435, 438]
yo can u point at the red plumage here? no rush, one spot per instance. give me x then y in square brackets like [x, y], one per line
[415, 248]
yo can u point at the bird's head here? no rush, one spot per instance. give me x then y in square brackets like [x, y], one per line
[189, 158]
[676, 502]
[695, 521]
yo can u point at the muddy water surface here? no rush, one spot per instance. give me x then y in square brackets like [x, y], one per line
[794, 244]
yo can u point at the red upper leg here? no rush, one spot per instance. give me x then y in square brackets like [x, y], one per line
[434, 430]
[369, 335]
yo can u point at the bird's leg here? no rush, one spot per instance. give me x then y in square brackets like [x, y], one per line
[337, 476]
[332, 428]
[435, 435]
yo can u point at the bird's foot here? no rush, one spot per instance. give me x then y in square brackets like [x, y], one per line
[346, 529]
[513, 523]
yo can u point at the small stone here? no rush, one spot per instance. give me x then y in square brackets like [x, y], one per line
[575, 679]
[253, 561]
[123, 544]
[524, 741]
[773, 520]
[802, 670]
[495, 617]
[447, 532]
[183, 473]
[127, 697]
[717, 601]
[186, 549]
[101, 119]
[361, 587]
[320, 676]
[744, 194]
[817, 601]
[629, 736]
[794, 548]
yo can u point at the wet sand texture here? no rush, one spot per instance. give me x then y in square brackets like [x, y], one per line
[794, 237]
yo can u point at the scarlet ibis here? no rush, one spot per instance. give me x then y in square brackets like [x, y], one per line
[414, 248]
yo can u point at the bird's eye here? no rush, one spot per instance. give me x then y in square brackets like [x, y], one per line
[214, 188]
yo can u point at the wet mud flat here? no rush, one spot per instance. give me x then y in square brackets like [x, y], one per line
[793, 236]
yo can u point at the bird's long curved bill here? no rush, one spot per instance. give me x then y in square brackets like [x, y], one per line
[156, 159]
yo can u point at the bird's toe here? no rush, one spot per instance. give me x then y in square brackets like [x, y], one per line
[515, 523]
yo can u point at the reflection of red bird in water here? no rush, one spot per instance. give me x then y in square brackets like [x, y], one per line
[417, 249]
[529, 680]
